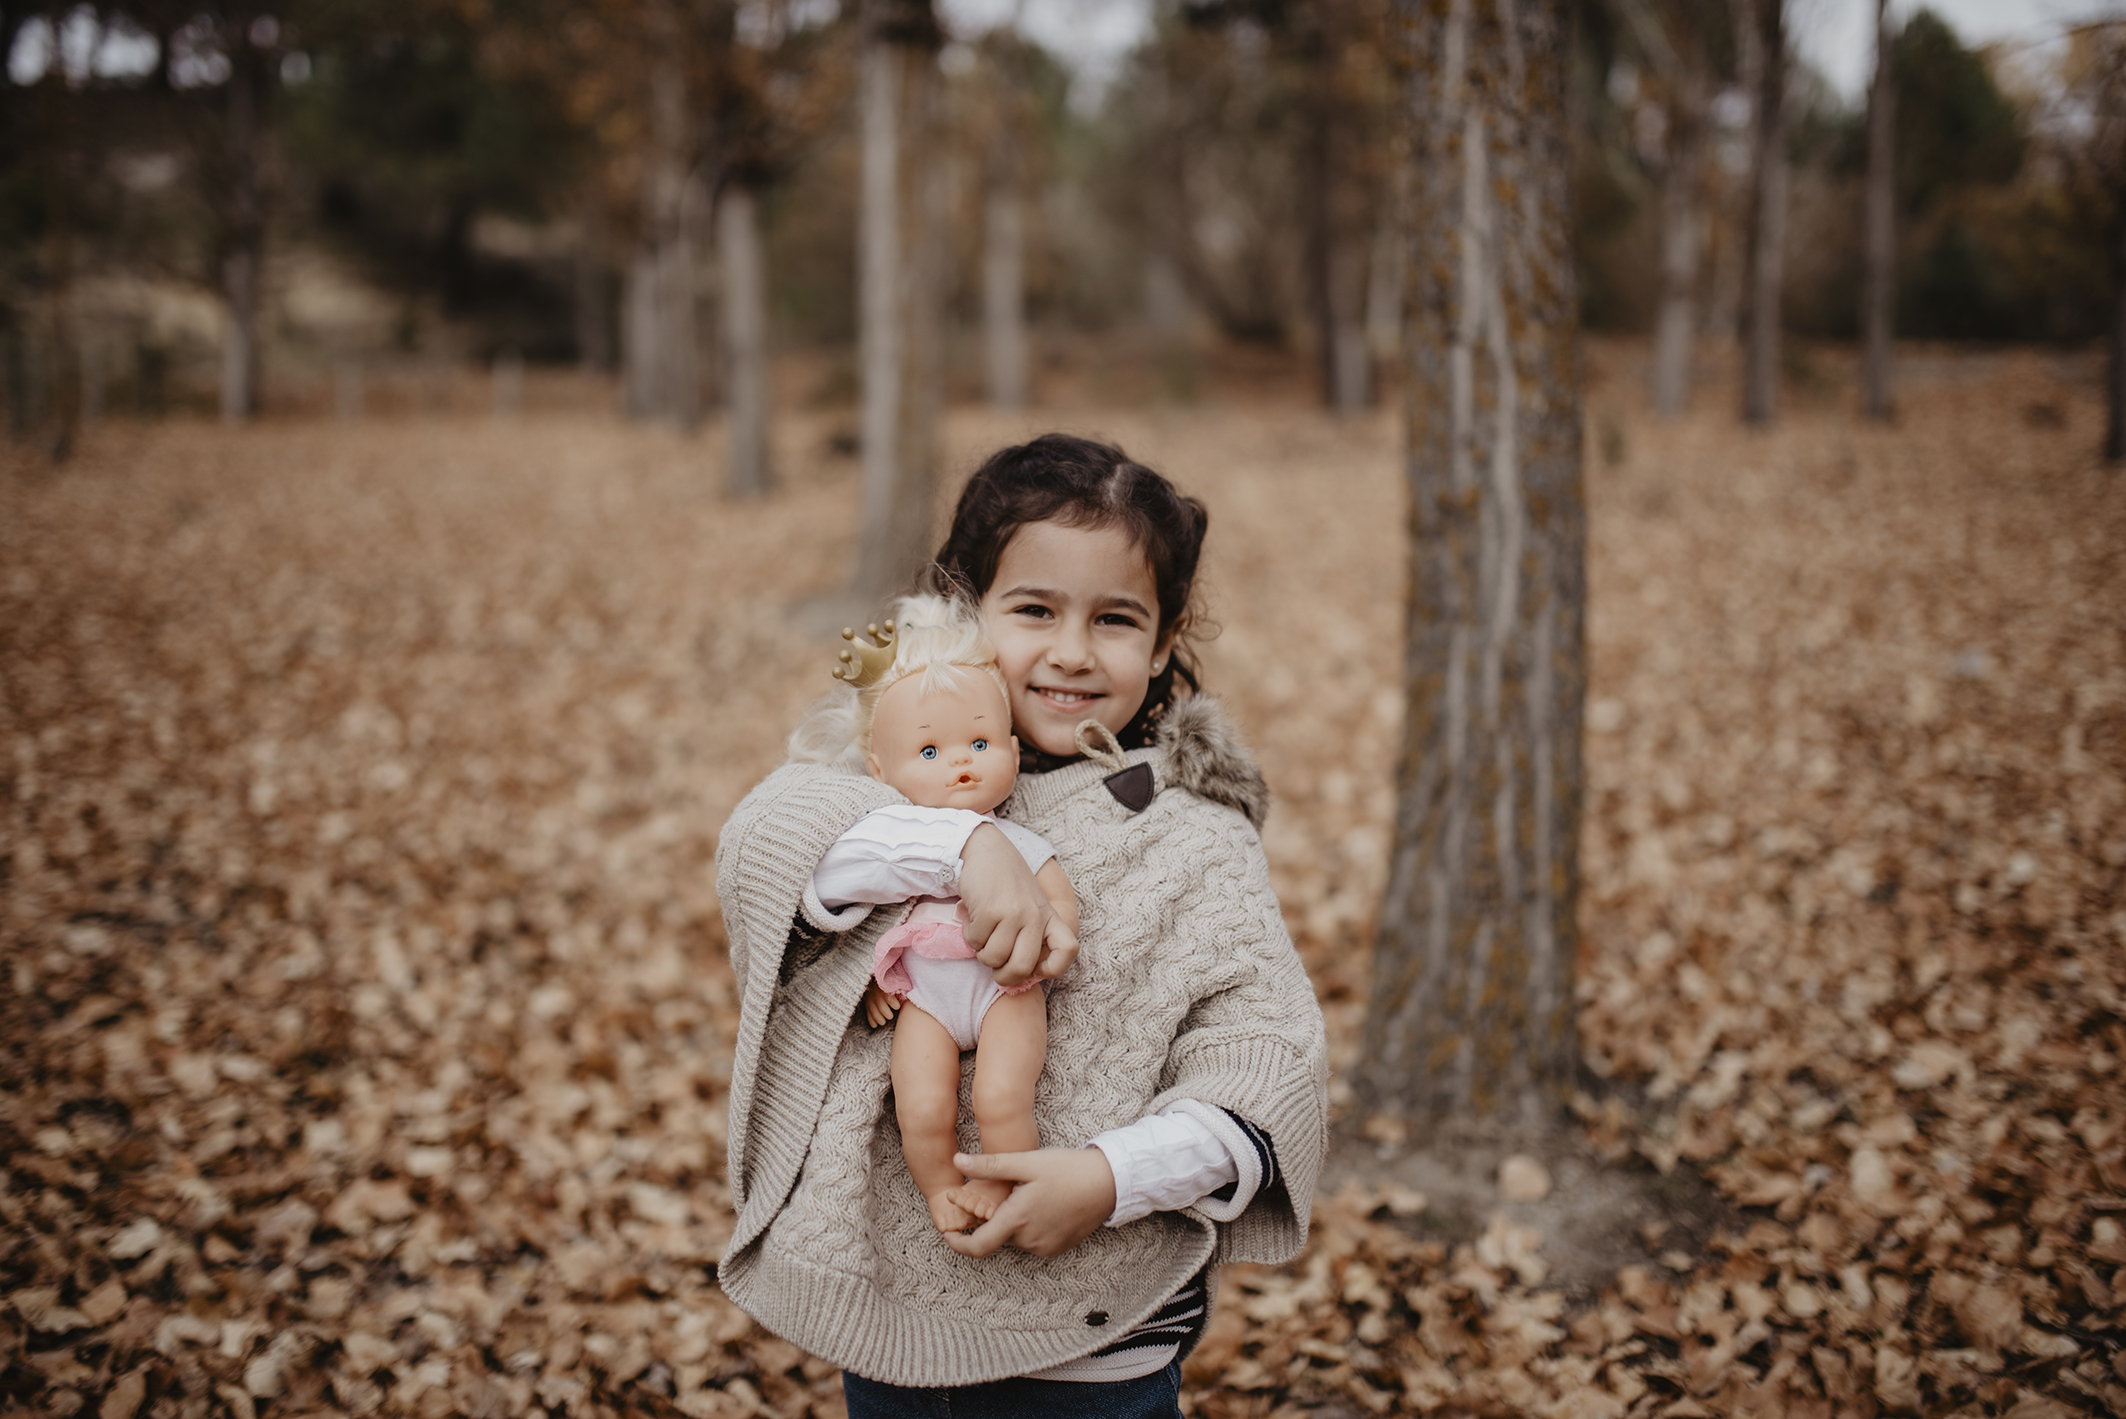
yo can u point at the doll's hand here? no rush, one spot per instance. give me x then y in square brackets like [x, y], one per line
[1062, 1197]
[1007, 912]
[879, 1007]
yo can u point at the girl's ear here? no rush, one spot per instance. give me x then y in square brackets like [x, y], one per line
[1165, 646]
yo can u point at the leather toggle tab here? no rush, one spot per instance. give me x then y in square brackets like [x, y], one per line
[1132, 787]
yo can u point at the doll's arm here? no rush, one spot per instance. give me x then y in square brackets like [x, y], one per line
[892, 854]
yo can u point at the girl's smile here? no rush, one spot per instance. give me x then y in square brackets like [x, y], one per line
[1073, 612]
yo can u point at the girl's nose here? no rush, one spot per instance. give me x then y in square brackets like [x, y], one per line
[1071, 649]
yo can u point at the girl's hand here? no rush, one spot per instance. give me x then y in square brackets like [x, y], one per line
[1062, 1197]
[1007, 912]
[879, 1007]
[1060, 948]
[1060, 951]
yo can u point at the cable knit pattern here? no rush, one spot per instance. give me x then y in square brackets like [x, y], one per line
[1187, 988]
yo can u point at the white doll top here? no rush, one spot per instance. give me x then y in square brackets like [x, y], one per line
[902, 852]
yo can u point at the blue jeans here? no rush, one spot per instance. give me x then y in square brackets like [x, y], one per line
[1155, 1396]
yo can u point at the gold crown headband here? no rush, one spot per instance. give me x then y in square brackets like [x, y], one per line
[863, 665]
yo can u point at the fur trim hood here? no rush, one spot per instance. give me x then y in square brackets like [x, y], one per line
[1205, 755]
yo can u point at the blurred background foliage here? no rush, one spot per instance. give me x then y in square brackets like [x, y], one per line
[447, 180]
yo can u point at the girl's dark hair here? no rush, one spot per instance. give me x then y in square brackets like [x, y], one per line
[1080, 483]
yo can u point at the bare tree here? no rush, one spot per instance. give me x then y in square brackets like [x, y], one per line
[2108, 42]
[1004, 271]
[1676, 53]
[243, 225]
[593, 305]
[899, 292]
[662, 353]
[2115, 435]
[1471, 1013]
[1763, 42]
[1881, 237]
[1338, 163]
[1005, 165]
[745, 331]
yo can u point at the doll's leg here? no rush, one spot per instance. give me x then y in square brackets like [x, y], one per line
[1007, 1066]
[926, 1101]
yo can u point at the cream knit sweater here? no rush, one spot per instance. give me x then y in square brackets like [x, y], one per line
[1187, 987]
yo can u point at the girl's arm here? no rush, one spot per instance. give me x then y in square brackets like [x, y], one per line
[1187, 1155]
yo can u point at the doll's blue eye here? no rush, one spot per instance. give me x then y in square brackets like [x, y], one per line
[930, 751]
[980, 745]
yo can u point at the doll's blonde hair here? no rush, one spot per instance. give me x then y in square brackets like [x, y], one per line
[936, 637]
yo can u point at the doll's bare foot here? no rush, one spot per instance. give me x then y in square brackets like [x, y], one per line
[947, 1213]
[981, 1196]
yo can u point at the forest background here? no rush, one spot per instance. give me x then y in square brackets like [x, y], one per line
[425, 184]
[385, 631]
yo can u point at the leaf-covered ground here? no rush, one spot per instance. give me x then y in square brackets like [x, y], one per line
[364, 1026]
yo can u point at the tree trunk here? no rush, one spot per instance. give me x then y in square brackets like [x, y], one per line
[2116, 437]
[1471, 1014]
[679, 325]
[1767, 235]
[643, 375]
[1384, 282]
[594, 292]
[2115, 440]
[899, 280]
[1881, 234]
[1004, 274]
[1682, 241]
[745, 336]
[664, 365]
[243, 236]
[1350, 362]
[1335, 273]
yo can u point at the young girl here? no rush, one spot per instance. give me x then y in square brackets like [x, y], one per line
[1184, 1094]
[933, 721]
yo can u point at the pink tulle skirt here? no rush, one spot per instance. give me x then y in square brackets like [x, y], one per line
[931, 940]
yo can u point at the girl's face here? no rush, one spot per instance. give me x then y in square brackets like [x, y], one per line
[1074, 615]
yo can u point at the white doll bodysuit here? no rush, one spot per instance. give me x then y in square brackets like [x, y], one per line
[927, 960]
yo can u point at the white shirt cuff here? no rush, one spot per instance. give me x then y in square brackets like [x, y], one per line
[1176, 1159]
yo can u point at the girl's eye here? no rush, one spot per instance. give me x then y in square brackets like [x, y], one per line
[1116, 618]
[1031, 608]
[980, 745]
[929, 751]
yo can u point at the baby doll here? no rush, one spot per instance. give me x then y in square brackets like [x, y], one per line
[935, 725]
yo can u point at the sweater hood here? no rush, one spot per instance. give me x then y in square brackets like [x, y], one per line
[1205, 755]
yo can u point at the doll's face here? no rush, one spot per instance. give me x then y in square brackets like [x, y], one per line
[949, 746]
[1074, 615]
